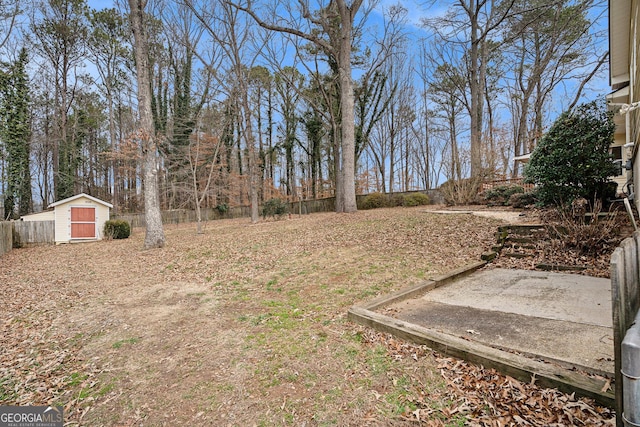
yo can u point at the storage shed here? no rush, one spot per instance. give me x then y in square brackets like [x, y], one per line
[80, 218]
[48, 215]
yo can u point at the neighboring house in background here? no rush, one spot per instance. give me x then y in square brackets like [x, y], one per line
[624, 78]
[79, 218]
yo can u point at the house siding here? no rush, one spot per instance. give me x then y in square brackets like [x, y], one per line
[634, 93]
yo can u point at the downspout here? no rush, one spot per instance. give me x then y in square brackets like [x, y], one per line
[631, 375]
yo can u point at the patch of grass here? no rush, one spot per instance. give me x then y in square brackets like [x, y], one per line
[106, 389]
[270, 285]
[457, 421]
[289, 418]
[84, 393]
[76, 378]
[272, 303]
[120, 343]
[400, 397]
[378, 360]
[7, 390]
[261, 340]
[197, 294]
[356, 337]
[332, 395]
[242, 295]
[284, 318]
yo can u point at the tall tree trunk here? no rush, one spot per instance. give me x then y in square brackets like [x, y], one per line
[337, 170]
[154, 236]
[347, 122]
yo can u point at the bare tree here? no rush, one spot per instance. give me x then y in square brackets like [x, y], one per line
[202, 154]
[549, 41]
[335, 20]
[107, 45]
[470, 24]
[222, 22]
[60, 32]
[9, 12]
[154, 236]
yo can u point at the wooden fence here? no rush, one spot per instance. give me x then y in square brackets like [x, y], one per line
[179, 216]
[26, 232]
[625, 298]
[6, 237]
[16, 234]
[488, 185]
[20, 233]
[302, 207]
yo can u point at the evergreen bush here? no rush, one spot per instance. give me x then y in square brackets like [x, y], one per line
[117, 229]
[396, 200]
[274, 208]
[523, 200]
[416, 199]
[500, 195]
[572, 160]
[222, 208]
[375, 200]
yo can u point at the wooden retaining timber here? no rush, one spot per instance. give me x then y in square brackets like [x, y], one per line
[517, 366]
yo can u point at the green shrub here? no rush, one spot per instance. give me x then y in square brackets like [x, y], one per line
[416, 199]
[396, 200]
[274, 208]
[572, 160]
[523, 200]
[117, 229]
[222, 208]
[375, 200]
[500, 196]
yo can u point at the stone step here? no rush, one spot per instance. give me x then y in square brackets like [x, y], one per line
[559, 267]
[521, 239]
[517, 255]
[519, 246]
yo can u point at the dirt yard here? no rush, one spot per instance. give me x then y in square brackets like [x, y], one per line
[246, 325]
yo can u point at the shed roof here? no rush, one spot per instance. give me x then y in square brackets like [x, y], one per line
[78, 196]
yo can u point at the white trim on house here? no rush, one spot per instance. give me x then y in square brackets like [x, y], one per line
[619, 32]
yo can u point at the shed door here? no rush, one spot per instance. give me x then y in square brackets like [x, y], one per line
[83, 223]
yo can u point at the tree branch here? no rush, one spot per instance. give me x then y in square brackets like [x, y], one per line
[315, 40]
[584, 82]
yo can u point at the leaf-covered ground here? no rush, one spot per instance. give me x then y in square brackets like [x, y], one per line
[246, 325]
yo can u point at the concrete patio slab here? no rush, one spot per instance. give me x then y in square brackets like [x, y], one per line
[558, 296]
[552, 325]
